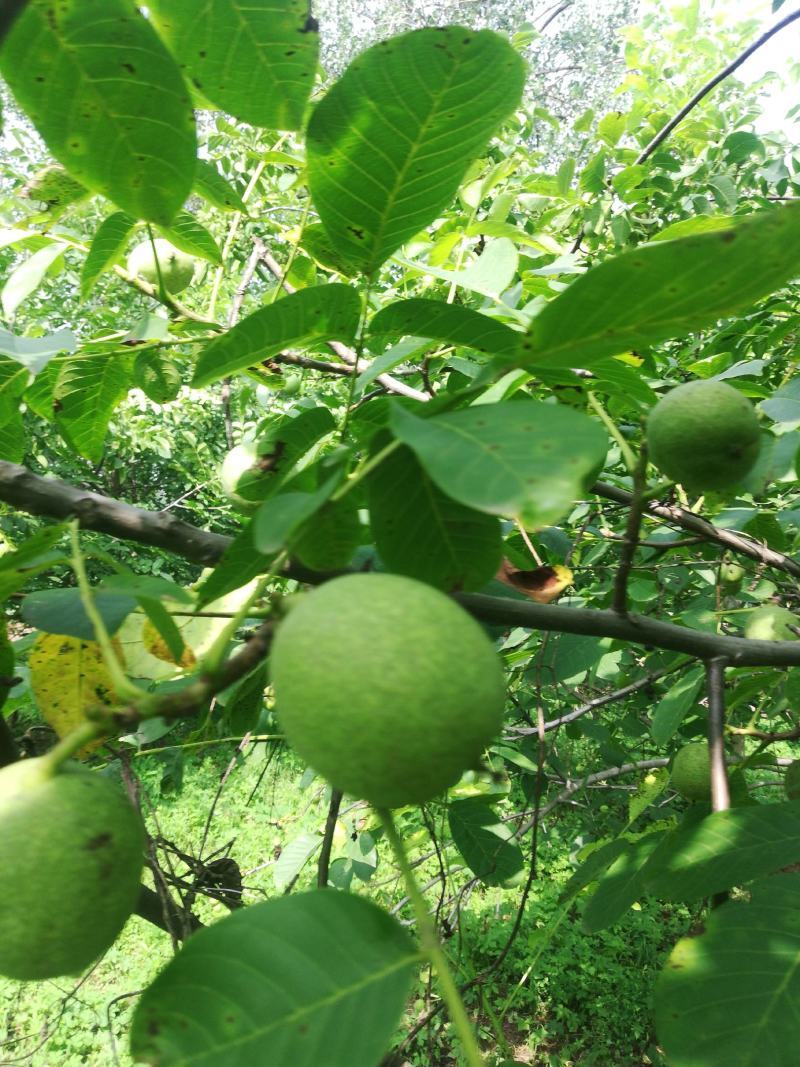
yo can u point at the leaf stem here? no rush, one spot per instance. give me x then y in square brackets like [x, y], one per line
[432, 947]
[72, 743]
[614, 430]
[124, 689]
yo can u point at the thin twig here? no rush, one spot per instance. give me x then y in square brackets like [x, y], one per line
[666, 130]
[715, 691]
[324, 862]
[346, 354]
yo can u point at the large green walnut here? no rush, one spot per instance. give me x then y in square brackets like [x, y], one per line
[704, 434]
[72, 851]
[386, 687]
[177, 268]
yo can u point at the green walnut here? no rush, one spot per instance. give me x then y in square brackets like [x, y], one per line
[771, 622]
[177, 268]
[691, 775]
[386, 687]
[705, 435]
[73, 850]
[731, 575]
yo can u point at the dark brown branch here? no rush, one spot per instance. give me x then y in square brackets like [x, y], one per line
[43, 496]
[636, 629]
[323, 865]
[687, 520]
[666, 130]
[196, 695]
[59, 500]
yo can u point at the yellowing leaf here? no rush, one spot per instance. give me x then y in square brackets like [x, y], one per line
[68, 678]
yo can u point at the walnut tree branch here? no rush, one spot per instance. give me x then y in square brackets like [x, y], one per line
[45, 496]
[704, 90]
[687, 520]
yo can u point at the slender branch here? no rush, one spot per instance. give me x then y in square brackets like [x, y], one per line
[576, 785]
[324, 862]
[632, 529]
[233, 318]
[665, 131]
[687, 520]
[432, 947]
[194, 696]
[599, 702]
[715, 690]
[346, 354]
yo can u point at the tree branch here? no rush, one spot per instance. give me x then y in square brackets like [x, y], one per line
[665, 131]
[9, 753]
[44, 496]
[715, 691]
[599, 702]
[59, 500]
[323, 865]
[345, 354]
[687, 520]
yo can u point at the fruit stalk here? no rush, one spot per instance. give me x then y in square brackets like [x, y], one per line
[431, 946]
[72, 743]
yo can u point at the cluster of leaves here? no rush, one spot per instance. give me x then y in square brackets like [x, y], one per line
[435, 344]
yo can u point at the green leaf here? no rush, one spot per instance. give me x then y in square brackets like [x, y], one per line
[485, 843]
[14, 378]
[166, 627]
[783, 407]
[325, 957]
[157, 375]
[525, 459]
[421, 532]
[107, 98]
[675, 704]
[86, 393]
[255, 61]
[106, 248]
[325, 312]
[451, 323]
[244, 706]
[390, 142]
[28, 276]
[294, 856]
[278, 518]
[725, 849]
[328, 540]
[209, 183]
[665, 289]
[61, 611]
[240, 563]
[621, 885]
[36, 352]
[186, 233]
[728, 998]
